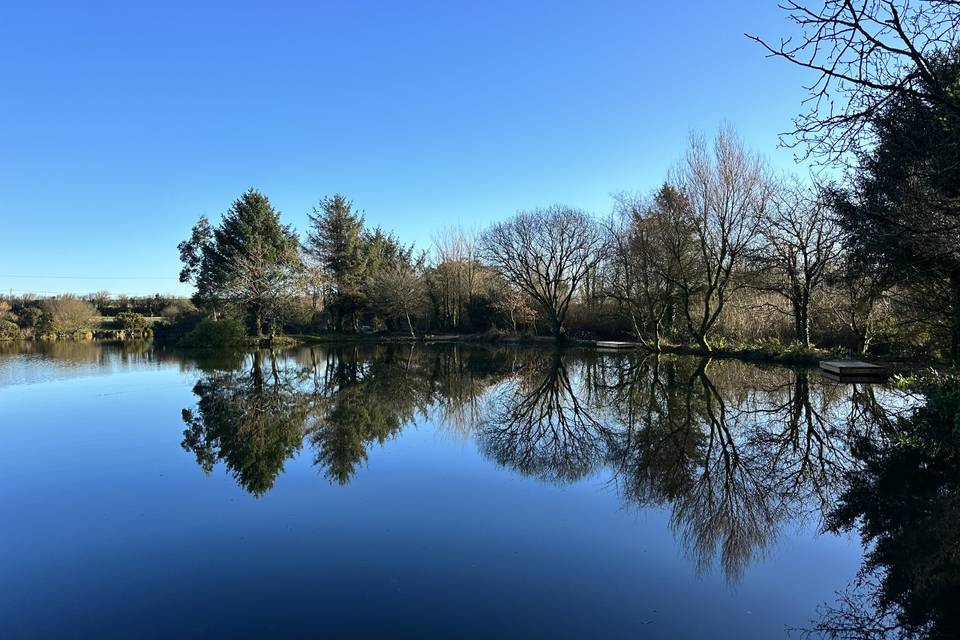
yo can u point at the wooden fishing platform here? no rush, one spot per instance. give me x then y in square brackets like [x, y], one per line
[853, 370]
[614, 344]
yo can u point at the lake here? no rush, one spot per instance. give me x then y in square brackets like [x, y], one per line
[415, 490]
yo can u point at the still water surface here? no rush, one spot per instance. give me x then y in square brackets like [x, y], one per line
[415, 491]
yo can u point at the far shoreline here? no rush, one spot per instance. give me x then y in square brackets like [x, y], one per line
[756, 354]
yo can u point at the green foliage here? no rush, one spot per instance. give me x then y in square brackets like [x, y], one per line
[130, 321]
[30, 317]
[370, 405]
[171, 330]
[177, 308]
[250, 421]
[352, 259]
[900, 212]
[215, 334]
[9, 330]
[235, 263]
[335, 240]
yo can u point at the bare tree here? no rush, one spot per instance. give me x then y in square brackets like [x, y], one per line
[100, 300]
[458, 275]
[317, 282]
[546, 253]
[400, 292]
[637, 259]
[262, 286]
[866, 54]
[800, 244]
[860, 306]
[513, 303]
[711, 214]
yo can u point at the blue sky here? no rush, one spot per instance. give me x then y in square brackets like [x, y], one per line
[123, 122]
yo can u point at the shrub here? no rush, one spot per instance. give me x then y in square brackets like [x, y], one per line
[178, 307]
[171, 330]
[215, 334]
[67, 314]
[130, 321]
[9, 330]
[30, 317]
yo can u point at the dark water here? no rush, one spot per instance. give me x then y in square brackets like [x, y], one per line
[416, 491]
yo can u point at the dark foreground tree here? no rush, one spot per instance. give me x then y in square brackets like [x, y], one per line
[901, 209]
[867, 54]
[546, 253]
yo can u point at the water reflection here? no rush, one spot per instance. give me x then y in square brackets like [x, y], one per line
[540, 425]
[250, 419]
[903, 497]
[360, 402]
[733, 451]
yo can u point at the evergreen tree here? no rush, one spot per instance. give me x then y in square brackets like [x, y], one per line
[351, 257]
[249, 246]
[901, 212]
[335, 241]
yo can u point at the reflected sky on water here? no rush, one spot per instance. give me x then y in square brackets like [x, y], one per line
[410, 490]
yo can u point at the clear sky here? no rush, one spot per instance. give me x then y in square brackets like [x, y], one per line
[122, 122]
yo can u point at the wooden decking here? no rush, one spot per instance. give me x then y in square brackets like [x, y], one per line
[853, 370]
[614, 344]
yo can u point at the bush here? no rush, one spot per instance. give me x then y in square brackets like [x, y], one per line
[178, 307]
[30, 317]
[215, 334]
[67, 314]
[171, 330]
[9, 330]
[130, 321]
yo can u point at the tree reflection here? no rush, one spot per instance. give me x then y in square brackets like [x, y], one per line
[364, 401]
[538, 424]
[903, 497]
[249, 419]
[732, 450]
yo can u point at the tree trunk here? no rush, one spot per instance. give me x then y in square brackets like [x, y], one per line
[557, 326]
[636, 326]
[801, 321]
[702, 341]
[410, 325]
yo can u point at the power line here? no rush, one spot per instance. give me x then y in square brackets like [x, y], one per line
[61, 292]
[7, 275]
